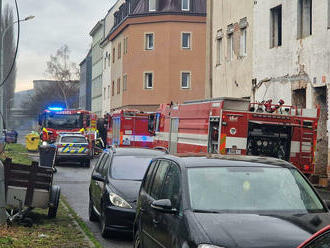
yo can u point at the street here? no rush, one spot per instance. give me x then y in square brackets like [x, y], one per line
[74, 182]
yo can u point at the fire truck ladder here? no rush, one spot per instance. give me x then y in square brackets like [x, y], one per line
[306, 141]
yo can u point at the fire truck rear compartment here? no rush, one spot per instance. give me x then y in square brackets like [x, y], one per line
[269, 140]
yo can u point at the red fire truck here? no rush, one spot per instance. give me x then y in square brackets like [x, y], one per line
[129, 128]
[238, 127]
[55, 120]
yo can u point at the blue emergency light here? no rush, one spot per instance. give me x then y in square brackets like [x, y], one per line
[55, 109]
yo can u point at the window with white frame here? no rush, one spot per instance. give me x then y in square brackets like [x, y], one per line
[149, 41]
[243, 51]
[148, 80]
[185, 5]
[185, 80]
[186, 40]
[152, 5]
[108, 91]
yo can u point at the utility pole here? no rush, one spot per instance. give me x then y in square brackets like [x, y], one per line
[1, 75]
[3, 216]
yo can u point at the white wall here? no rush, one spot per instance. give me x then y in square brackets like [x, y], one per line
[309, 56]
[232, 78]
[107, 49]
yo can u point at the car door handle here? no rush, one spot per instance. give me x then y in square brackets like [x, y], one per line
[155, 222]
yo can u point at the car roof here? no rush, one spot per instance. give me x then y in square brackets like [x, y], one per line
[217, 160]
[136, 152]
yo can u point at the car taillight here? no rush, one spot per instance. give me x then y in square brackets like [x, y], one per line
[59, 146]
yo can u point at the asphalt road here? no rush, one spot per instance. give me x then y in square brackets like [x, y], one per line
[74, 182]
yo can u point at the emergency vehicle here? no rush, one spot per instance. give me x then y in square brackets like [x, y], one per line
[129, 128]
[237, 127]
[54, 121]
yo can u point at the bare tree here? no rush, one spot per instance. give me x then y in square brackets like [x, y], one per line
[61, 69]
[9, 51]
[64, 87]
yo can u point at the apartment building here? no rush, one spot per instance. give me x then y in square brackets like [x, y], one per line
[291, 59]
[85, 88]
[229, 48]
[97, 33]
[106, 46]
[272, 49]
[158, 53]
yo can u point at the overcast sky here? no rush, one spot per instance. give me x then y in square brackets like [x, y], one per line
[57, 22]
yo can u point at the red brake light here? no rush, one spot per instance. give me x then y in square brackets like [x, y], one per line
[306, 167]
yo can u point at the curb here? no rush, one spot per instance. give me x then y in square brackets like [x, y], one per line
[86, 238]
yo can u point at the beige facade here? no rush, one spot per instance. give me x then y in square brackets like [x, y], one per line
[166, 62]
[229, 48]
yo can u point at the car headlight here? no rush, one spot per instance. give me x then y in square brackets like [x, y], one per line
[209, 246]
[117, 201]
[44, 143]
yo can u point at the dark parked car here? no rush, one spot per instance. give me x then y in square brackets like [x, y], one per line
[115, 185]
[320, 239]
[225, 202]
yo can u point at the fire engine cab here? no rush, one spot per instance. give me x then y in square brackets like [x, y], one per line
[56, 120]
[238, 127]
[129, 128]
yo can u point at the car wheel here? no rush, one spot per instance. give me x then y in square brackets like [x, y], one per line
[105, 232]
[137, 241]
[92, 215]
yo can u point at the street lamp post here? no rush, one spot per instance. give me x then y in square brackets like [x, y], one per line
[1, 64]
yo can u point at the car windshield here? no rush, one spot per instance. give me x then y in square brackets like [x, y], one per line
[73, 139]
[129, 167]
[60, 121]
[250, 189]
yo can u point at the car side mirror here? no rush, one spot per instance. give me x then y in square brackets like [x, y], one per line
[164, 205]
[98, 177]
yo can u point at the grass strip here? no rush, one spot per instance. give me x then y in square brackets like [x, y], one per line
[18, 153]
[82, 224]
[60, 232]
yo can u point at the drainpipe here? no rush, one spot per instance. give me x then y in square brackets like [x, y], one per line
[3, 216]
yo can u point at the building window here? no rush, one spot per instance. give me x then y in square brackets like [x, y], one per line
[276, 27]
[125, 45]
[149, 41]
[219, 50]
[185, 5]
[230, 47]
[124, 82]
[119, 50]
[152, 5]
[118, 86]
[186, 40]
[148, 80]
[108, 91]
[243, 49]
[113, 55]
[304, 18]
[185, 80]
[113, 88]
[329, 14]
[104, 93]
